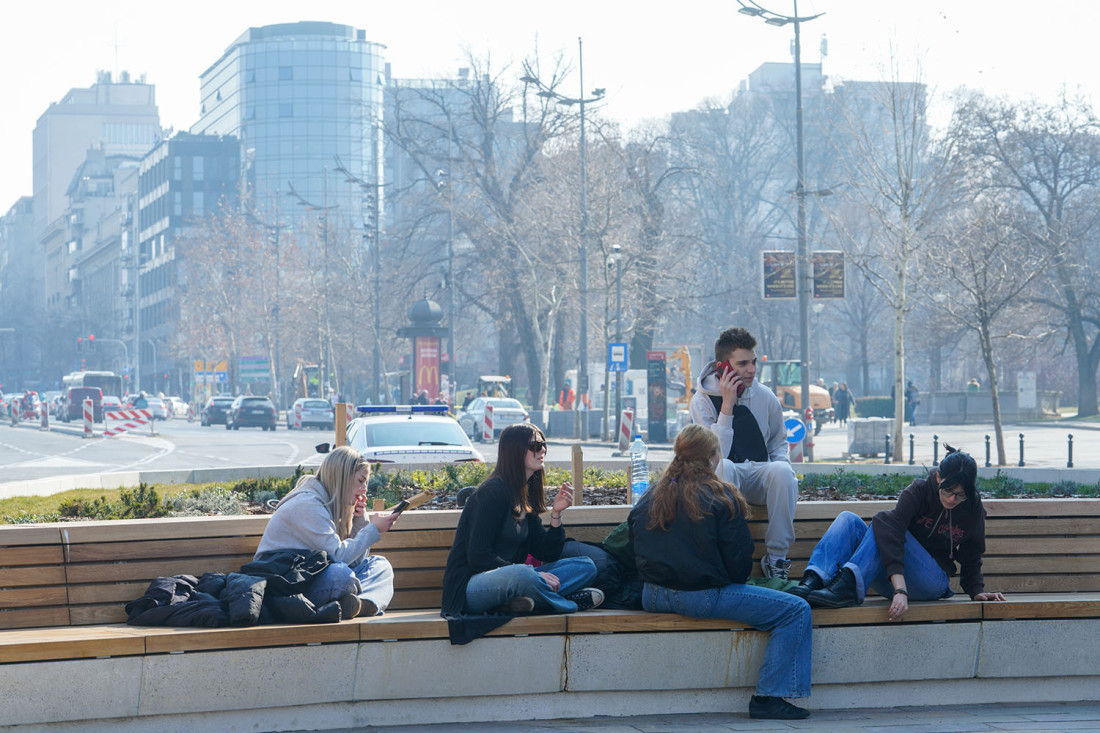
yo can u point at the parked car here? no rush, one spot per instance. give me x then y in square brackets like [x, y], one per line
[215, 409]
[7, 400]
[410, 434]
[111, 403]
[176, 407]
[315, 413]
[73, 408]
[506, 411]
[251, 411]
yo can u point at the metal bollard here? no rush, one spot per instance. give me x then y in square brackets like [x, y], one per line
[1069, 463]
[935, 450]
[1021, 449]
[987, 463]
[887, 448]
[911, 437]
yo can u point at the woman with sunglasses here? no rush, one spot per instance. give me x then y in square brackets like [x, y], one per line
[500, 526]
[911, 551]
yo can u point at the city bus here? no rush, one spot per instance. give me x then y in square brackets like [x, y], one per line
[109, 382]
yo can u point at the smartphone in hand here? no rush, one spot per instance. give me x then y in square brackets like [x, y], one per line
[724, 366]
[399, 507]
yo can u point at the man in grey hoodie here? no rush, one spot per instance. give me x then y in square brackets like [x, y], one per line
[747, 417]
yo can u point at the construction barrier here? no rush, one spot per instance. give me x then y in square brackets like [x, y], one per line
[45, 424]
[130, 420]
[487, 424]
[89, 415]
[626, 429]
[350, 411]
[297, 424]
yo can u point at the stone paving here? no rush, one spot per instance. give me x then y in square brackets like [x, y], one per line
[1030, 718]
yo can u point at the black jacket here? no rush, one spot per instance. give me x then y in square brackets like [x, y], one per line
[949, 536]
[711, 553]
[480, 543]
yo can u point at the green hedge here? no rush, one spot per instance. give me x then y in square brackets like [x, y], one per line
[875, 406]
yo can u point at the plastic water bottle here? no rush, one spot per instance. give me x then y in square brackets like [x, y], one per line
[639, 469]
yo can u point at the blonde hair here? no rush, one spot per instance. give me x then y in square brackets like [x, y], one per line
[689, 483]
[334, 482]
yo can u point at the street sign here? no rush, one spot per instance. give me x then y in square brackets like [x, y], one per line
[796, 431]
[617, 357]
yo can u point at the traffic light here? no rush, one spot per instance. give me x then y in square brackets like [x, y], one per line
[91, 343]
[80, 344]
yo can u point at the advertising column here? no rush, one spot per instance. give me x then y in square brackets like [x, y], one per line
[426, 366]
[657, 397]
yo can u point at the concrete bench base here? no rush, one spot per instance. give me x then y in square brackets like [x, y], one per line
[421, 681]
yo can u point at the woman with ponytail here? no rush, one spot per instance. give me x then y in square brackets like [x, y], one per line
[911, 551]
[693, 550]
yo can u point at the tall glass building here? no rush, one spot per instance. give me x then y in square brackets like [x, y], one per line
[299, 96]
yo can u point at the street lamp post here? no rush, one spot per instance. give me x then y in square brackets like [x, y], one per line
[805, 280]
[616, 253]
[597, 95]
[370, 200]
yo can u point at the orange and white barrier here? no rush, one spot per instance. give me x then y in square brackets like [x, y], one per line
[45, 424]
[89, 414]
[297, 424]
[626, 428]
[351, 412]
[487, 424]
[130, 419]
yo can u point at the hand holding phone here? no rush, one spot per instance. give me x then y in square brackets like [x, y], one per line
[399, 507]
[723, 368]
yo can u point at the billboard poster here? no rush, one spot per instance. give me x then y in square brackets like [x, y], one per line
[828, 275]
[779, 276]
[426, 365]
[657, 399]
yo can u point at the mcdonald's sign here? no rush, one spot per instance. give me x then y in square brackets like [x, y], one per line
[426, 364]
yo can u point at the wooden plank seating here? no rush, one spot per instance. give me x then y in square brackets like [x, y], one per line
[63, 587]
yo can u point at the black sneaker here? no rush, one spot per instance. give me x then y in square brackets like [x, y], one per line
[350, 605]
[586, 598]
[775, 708]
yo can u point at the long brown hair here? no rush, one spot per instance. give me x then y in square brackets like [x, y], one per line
[689, 483]
[528, 495]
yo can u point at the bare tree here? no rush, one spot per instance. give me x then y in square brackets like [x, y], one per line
[898, 175]
[982, 264]
[1049, 157]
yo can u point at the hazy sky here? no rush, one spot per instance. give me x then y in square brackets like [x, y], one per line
[652, 59]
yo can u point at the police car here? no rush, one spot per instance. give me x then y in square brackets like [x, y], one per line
[410, 434]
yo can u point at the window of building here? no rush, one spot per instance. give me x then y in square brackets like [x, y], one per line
[355, 74]
[196, 168]
[177, 168]
[286, 109]
[197, 202]
[177, 203]
[286, 73]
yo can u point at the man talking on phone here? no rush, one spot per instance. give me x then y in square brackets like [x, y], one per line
[747, 417]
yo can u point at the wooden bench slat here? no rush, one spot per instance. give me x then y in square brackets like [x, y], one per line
[1045, 605]
[52, 595]
[65, 642]
[406, 599]
[17, 535]
[1028, 583]
[206, 639]
[24, 618]
[113, 613]
[1036, 564]
[32, 575]
[1039, 546]
[11, 557]
[126, 530]
[164, 548]
[428, 624]
[107, 572]
[425, 538]
[106, 592]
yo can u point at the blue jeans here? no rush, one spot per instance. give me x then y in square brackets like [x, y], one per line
[850, 543]
[493, 588]
[787, 660]
[371, 580]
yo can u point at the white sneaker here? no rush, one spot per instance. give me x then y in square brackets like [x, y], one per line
[586, 598]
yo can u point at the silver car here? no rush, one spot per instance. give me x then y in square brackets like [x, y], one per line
[506, 411]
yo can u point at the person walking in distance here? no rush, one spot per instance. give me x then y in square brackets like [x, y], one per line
[748, 420]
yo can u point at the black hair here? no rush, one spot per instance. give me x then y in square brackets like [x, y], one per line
[528, 495]
[958, 468]
[732, 339]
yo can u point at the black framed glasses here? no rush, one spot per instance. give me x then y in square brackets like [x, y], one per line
[536, 446]
[960, 496]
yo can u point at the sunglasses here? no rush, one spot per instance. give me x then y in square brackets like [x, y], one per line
[536, 446]
[960, 496]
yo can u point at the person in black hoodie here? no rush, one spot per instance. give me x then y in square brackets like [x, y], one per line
[693, 550]
[911, 551]
[500, 526]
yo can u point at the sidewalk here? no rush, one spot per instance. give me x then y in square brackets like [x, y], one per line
[1045, 717]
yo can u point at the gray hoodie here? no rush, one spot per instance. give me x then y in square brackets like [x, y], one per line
[762, 403]
[303, 522]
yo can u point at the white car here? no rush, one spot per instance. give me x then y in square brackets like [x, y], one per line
[410, 434]
[506, 411]
[316, 413]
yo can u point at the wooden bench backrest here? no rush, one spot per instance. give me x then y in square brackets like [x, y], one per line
[84, 572]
